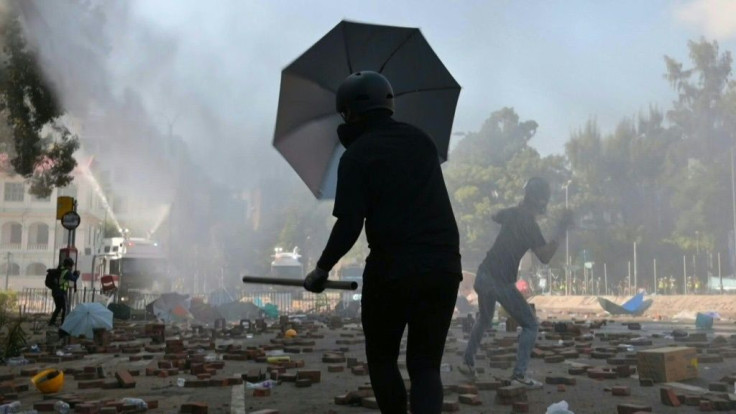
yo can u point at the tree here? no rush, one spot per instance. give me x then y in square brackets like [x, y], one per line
[43, 147]
[703, 117]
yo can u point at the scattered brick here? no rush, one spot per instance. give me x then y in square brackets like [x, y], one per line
[620, 391]
[449, 406]
[718, 387]
[261, 392]
[314, 376]
[193, 408]
[520, 407]
[369, 402]
[470, 399]
[632, 408]
[125, 379]
[84, 385]
[668, 397]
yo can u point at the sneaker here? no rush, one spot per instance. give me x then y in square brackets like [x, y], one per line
[467, 370]
[527, 382]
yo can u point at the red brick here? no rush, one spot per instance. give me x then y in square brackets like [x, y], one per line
[87, 408]
[125, 379]
[193, 408]
[668, 397]
[520, 407]
[303, 383]
[261, 392]
[314, 376]
[84, 385]
[632, 408]
[45, 405]
[620, 391]
[470, 399]
[450, 406]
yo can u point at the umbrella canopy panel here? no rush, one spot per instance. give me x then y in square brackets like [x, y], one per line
[85, 317]
[425, 94]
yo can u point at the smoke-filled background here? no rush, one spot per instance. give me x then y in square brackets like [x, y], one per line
[176, 102]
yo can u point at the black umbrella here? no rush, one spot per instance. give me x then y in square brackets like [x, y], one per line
[425, 94]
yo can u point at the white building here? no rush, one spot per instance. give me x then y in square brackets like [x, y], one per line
[30, 235]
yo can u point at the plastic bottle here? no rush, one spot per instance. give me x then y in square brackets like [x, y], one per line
[180, 382]
[136, 402]
[263, 384]
[9, 408]
[62, 407]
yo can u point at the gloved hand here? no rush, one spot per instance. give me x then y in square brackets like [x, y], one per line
[316, 280]
[567, 220]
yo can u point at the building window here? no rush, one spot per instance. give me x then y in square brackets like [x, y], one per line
[12, 234]
[10, 269]
[38, 236]
[14, 191]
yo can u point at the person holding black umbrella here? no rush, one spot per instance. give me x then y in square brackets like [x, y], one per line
[390, 178]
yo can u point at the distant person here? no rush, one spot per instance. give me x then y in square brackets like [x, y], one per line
[59, 281]
[390, 178]
[497, 274]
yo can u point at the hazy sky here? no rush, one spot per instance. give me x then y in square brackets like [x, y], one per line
[557, 62]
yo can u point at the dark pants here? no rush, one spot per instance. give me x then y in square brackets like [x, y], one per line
[59, 305]
[425, 303]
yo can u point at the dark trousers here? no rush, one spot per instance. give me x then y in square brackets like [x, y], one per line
[425, 304]
[59, 306]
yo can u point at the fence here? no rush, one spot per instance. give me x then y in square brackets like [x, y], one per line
[294, 302]
[39, 300]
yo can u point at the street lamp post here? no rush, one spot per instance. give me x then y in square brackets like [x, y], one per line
[733, 200]
[7, 271]
[567, 245]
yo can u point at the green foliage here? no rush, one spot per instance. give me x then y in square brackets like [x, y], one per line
[15, 338]
[30, 108]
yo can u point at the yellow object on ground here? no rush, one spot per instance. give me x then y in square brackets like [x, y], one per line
[290, 333]
[49, 381]
[276, 359]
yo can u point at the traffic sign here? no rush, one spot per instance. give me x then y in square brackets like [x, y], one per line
[70, 220]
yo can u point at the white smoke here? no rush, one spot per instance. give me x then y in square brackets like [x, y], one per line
[714, 18]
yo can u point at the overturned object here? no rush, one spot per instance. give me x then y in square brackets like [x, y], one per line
[49, 381]
[634, 306]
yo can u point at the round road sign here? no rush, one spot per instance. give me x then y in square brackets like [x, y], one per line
[70, 220]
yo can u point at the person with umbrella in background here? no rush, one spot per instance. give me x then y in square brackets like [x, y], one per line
[390, 178]
[497, 274]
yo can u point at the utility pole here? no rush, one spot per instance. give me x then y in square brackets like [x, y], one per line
[567, 245]
[7, 271]
[636, 277]
[654, 286]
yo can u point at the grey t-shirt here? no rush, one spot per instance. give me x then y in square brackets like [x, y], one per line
[519, 233]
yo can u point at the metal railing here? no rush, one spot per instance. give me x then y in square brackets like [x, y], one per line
[39, 300]
[38, 246]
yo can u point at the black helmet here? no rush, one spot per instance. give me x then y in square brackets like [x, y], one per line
[536, 194]
[364, 91]
[68, 261]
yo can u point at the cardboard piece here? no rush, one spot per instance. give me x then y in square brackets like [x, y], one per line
[672, 363]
